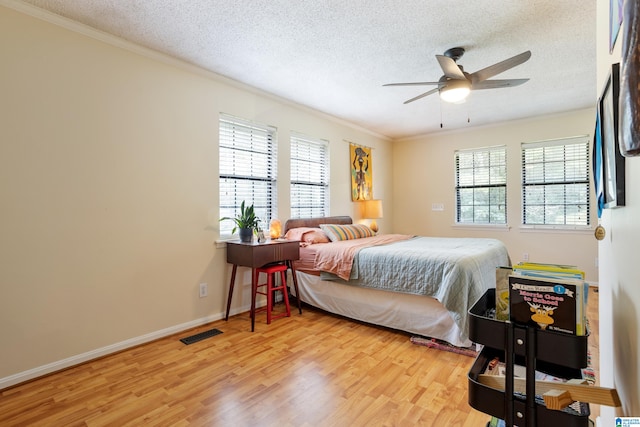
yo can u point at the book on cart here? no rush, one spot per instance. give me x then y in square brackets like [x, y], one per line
[502, 292]
[548, 303]
[495, 372]
[559, 271]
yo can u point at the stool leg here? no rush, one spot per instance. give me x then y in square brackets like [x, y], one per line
[254, 290]
[269, 297]
[285, 294]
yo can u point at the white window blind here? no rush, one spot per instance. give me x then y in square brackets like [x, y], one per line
[309, 177]
[481, 186]
[247, 170]
[555, 182]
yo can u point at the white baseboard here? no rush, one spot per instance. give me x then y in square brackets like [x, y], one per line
[39, 371]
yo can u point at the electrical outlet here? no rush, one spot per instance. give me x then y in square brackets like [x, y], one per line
[437, 206]
[525, 256]
[203, 290]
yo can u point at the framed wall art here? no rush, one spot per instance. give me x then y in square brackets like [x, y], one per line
[629, 132]
[361, 173]
[613, 170]
[615, 21]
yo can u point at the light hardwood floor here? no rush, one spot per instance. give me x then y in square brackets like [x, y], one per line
[313, 369]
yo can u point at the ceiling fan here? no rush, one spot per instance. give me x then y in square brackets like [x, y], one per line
[455, 84]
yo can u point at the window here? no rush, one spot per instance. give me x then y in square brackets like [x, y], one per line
[247, 170]
[555, 182]
[481, 186]
[309, 177]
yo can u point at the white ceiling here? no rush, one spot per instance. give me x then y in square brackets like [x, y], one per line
[335, 55]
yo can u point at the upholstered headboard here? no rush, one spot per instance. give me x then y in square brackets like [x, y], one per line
[315, 222]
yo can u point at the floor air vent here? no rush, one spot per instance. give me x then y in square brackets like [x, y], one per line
[201, 336]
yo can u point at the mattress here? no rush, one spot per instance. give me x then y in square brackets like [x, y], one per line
[422, 285]
[454, 271]
[416, 314]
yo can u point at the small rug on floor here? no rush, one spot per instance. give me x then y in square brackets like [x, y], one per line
[442, 345]
[588, 373]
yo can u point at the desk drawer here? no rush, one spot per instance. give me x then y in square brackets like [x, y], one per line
[258, 254]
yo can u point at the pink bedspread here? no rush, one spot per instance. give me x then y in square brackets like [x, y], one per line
[337, 257]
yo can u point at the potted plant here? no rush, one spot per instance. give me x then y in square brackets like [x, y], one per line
[246, 222]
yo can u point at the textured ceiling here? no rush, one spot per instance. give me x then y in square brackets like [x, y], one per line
[335, 55]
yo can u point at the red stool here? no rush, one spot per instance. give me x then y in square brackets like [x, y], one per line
[270, 287]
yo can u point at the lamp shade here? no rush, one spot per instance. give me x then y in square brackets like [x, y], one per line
[373, 209]
[455, 90]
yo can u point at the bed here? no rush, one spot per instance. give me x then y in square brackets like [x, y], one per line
[421, 285]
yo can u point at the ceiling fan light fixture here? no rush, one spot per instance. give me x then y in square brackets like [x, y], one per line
[455, 91]
[455, 84]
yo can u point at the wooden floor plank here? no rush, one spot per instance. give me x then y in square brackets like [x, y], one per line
[313, 369]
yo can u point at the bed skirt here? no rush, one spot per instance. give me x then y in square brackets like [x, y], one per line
[416, 314]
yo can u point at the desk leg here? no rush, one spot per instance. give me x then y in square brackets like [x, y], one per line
[231, 284]
[254, 289]
[295, 284]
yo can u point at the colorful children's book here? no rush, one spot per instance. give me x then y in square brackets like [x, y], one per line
[553, 270]
[550, 304]
[502, 292]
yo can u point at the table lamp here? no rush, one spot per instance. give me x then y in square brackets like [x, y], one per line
[373, 211]
[275, 228]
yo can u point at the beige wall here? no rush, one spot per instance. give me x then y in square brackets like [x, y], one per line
[109, 190]
[424, 174]
[619, 273]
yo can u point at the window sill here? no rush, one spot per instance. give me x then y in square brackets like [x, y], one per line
[222, 242]
[577, 229]
[494, 227]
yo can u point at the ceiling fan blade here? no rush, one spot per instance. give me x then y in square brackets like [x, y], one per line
[422, 96]
[449, 67]
[500, 67]
[412, 84]
[495, 84]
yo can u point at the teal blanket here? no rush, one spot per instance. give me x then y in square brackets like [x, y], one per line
[455, 271]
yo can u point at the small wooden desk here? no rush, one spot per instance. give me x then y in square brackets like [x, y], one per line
[256, 255]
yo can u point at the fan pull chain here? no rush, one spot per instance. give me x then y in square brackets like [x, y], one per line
[440, 114]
